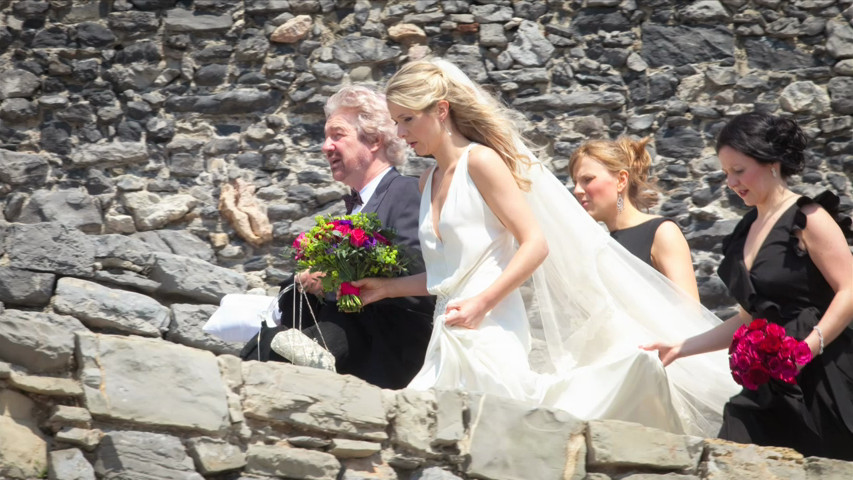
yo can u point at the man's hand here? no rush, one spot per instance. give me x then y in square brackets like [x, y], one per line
[310, 282]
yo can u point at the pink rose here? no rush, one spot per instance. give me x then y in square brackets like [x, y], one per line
[774, 330]
[742, 364]
[758, 324]
[802, 353]
[788, 346]
[343, 228]
[358, 237]
[743, 349]
[755, 376]
[300, 241]
[788, 372]
[782, 368]
[755, 337]
[770, 344]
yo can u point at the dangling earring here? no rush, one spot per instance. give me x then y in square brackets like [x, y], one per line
[620, 203]
[773, 172]
[449, 133]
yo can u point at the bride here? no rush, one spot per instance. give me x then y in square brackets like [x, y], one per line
[491, 217]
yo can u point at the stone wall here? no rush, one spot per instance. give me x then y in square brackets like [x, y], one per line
[158, 154]
[130, 116]
[146, 408]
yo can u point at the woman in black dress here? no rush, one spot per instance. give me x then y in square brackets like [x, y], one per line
[612, 184]
[787, 261]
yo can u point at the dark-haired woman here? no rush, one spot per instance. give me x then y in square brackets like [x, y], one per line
[787, 261]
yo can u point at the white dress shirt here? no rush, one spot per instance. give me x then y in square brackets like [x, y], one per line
[369, 189]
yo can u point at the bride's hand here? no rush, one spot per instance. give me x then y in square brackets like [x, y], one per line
[667, 352]
[468, 313]
[371, 289]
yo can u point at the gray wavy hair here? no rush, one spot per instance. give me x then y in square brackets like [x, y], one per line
[374, 122]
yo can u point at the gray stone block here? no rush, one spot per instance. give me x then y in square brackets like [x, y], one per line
[828, 469]
[180, 20]
[118, 373]
[313, 400]
[16, 83]
[138, 455]
[414, 421]
[839, 41]
[726, 460]
[186, 244]
[40, 342]
[22, 168]
[106, 155]
[612, 444]
[102, 307]
[239, 101]
[195, 279]
[186, 329]
[25, 288]
[530, 47]
[72, 207]
[151, 211]
[287, 462]
[213, 456]
[665, 45]
[69, 464]
[353, 49]
[776, 55]
[23, 448]
[533, 442]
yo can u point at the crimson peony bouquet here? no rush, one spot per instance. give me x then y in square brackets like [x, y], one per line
[347, 248]
[761, 351]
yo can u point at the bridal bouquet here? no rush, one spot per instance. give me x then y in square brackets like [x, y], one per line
[761, 351]
[347, 248]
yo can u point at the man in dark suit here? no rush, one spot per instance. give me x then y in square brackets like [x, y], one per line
[386, 342]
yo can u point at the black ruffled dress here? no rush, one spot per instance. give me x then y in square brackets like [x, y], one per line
[815, 417]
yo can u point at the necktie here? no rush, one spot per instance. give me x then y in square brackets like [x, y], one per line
[352, 199]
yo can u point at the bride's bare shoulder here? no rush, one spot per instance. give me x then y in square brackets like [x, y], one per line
[482, 157]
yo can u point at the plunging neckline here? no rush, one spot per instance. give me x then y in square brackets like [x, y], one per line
[435, 222]
[764, 240]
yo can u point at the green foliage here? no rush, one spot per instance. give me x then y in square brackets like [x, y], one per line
[348, 248]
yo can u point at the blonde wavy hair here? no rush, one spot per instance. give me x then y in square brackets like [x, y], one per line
[373, 120]
[479, 116]
[626, 154]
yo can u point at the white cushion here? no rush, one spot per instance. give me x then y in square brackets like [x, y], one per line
[239, 316]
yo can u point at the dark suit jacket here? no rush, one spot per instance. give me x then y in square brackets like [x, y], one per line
[384, 344]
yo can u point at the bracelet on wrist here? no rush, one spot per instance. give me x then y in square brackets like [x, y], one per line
[820, 337]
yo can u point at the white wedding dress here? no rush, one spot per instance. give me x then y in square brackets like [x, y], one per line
[596, 369]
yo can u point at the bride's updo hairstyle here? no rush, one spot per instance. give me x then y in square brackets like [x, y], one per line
[767, 139]
[626, 154]
[479, 116]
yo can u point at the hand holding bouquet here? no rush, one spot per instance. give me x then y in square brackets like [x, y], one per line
[347, 248]
[761, 351]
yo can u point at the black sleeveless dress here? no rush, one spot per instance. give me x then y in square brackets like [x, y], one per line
[815, 417]
[639, 238]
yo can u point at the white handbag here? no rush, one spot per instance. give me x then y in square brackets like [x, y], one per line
[303, 350]
[299, 348]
